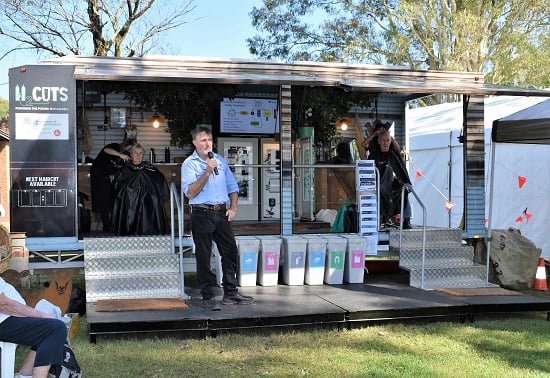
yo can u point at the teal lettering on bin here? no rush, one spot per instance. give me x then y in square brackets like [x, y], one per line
[337, 260]
[271, 261]
[357, 259]
[248, 262]
[316, 259]
[296, 260]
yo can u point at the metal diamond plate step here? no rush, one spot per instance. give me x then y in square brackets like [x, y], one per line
[456, 253]
[448, 263]
[131, 267]
[122, 266]
[439, 263]
[433, 235]
[127, 245]
[466, 276]
[141, 286]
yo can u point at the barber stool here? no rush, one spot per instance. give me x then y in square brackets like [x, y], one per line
[7, 367]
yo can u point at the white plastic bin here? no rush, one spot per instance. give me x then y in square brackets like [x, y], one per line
[249, 246]
[371, 248]
[335, 259]
[294, 258]
[315, 260]
[268, 260]
[354, 269]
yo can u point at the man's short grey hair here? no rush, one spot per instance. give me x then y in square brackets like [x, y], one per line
[200, 129]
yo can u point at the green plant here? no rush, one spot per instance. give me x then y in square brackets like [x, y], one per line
[326, 104]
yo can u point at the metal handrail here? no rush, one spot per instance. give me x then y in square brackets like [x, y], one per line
[410, 189]
[175, 204]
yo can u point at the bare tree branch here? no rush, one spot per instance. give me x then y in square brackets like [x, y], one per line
[94, 27]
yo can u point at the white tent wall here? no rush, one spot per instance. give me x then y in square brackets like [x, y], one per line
[437, 154]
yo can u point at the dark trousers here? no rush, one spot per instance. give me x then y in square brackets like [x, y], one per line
[207, 226]
[45, 336]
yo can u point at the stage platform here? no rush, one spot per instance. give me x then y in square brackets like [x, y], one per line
[381, 298]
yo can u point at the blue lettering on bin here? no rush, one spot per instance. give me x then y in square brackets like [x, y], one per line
[296, 260]
[316, 259]
[248, 262]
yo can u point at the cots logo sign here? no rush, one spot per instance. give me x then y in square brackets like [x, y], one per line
[40, 95]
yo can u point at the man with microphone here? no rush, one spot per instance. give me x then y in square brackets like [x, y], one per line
[209, 185]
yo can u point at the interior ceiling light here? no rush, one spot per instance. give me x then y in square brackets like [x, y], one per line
[343, 123]
[156, 119]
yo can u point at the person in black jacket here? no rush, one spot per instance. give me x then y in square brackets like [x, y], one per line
[102, 170]
[140, 191]
[393, 175]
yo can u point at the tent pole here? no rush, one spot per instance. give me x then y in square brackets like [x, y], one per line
[450, 172]
[489, 226]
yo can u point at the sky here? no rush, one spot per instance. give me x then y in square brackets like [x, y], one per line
[220, 31]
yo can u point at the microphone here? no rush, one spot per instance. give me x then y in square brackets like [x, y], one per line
[211, 156]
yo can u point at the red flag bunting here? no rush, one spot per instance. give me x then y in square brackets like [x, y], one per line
[448, 205]
[521, 181]
[418, 174]
[519, 219]
[528, 216]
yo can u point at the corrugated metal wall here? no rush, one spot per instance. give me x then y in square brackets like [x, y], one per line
[474, 169]
[387, 109]
[287, 190]
[150, 137]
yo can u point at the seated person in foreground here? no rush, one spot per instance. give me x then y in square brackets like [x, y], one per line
[140, 191]
[24, 325]
[393, 175]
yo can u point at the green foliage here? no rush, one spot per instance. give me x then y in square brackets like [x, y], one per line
[506, 40]
[183, 105]
[326, 104]
[4, 107]
[186, 105]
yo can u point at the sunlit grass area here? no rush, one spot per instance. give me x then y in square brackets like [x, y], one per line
[511, 346]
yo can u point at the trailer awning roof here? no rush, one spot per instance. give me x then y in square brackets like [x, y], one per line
[531, 126]
[355, 77]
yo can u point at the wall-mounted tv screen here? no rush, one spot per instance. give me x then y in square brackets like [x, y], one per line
[249, 116]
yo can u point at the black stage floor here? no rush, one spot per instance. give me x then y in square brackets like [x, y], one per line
[381, 298]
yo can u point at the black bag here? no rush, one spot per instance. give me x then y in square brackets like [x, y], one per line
[70, 367]
[84, 214]
[77, 303]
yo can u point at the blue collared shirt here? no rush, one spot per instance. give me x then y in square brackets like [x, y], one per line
[217, 188]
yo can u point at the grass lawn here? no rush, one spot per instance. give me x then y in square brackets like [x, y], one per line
[493, 346]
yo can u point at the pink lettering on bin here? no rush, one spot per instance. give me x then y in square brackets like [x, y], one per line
[357, 259]
[271, 261]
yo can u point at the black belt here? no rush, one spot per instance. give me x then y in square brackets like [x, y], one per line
[220, 207]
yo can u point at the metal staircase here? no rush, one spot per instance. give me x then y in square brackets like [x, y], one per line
[132, 268]
[139, 267]
[438, 259]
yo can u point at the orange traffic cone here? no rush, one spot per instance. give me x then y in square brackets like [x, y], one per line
[540, 278]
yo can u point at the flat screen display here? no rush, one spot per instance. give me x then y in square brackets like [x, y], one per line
[249, 116]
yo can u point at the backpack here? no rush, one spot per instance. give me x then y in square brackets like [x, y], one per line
[70, 367]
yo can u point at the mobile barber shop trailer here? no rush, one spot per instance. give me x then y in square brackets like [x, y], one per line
[44, 131]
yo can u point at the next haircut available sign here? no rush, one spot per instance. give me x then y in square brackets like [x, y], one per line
[43, 151]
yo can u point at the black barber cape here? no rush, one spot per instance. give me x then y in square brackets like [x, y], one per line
[393, 175]
[140, 192]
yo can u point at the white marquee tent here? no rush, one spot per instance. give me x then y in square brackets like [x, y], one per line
[521, 171]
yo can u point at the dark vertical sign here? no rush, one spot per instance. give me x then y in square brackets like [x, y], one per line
[43, 150]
